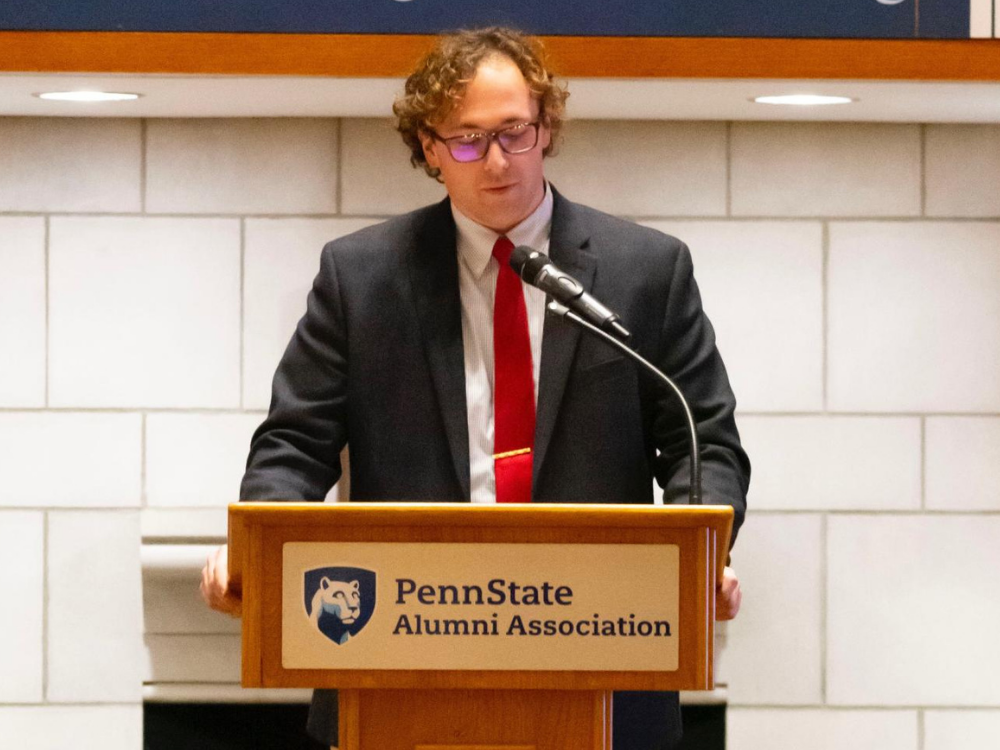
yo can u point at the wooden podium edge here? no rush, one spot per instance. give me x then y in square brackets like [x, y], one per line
[258, 531]
[274, 513]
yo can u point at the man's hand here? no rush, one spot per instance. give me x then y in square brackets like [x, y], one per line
[728, 596]
[215, 584]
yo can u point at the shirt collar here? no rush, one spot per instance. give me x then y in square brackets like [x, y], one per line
[475, 242]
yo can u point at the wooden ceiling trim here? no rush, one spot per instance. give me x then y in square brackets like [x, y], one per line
[358, 55]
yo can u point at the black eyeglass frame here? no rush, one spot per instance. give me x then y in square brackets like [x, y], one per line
[488, 137]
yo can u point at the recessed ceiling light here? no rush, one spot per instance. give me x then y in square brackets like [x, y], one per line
[804, 100]
[87, 96]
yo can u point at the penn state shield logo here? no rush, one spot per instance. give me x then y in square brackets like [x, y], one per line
[339, 602]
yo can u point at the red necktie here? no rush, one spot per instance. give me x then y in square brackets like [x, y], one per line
[513, 384]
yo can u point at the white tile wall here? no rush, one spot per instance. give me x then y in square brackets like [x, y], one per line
[833, 463]
[56, 164]
[181, 523]
[94, 607]
[773, 648]
[281, 261]
[963, 463]
[246, 166]
[961, 730]
[783, 729]
[912, 316]
[64, 459]
[76, 727]
[22, 310]
[144, 312]
[912, 616]
[375, 158]
[825, 169]
[21, 590]
[638, 168]
[192, 658]
[963, 170]
[761, 285]
[196, 459]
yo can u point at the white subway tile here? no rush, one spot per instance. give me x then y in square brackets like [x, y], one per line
[241, 166]
[281, 261]
[773, 648]
[189, 658]
[76, 727]
[144, 312]
[637, 168]
[376, 177]
[762, 288]
[825, 169]
[913, 311]
[911, 610]
[94, 607]
[961, 730]
[833, 463]
[963, 170]
[22, 310]
[70, 164]
[22, 563]
[173, 523]
[196, 459]
[70, 459]
[963, 463]
[815, 729]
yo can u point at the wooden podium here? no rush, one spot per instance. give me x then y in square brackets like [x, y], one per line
[460, 627]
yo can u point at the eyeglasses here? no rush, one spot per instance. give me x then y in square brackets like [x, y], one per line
[474, 146]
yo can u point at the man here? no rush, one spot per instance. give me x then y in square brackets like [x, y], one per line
[423, 351]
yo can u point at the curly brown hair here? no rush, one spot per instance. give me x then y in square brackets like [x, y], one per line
[436, 87]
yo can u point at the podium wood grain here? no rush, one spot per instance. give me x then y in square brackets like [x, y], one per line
[398, 709]
[258, 532]
[476, 720]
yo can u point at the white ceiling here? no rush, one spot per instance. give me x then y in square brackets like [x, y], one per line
[671, 99]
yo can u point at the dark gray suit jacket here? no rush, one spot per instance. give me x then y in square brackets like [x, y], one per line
[377, 362]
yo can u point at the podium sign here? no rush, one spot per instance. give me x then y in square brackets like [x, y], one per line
[446, 596]
[434, 606]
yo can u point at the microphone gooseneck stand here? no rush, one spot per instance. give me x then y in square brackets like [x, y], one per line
[694, 488]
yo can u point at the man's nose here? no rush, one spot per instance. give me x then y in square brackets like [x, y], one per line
[496, 159]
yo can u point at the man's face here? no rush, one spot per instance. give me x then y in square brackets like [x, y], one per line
[502, 189]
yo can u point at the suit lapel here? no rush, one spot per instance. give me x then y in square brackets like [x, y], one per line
[567, 243]
[434, 278]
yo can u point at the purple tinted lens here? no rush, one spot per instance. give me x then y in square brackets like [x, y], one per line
[469, 151]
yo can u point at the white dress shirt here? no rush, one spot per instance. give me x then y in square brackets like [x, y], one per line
[477, 281]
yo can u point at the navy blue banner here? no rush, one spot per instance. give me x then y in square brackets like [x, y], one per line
[939, 19]
[881, 19]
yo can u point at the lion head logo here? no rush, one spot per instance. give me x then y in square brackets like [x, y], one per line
[339, 601]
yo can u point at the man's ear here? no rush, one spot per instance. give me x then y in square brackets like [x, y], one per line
[429, 154]
[544, 134]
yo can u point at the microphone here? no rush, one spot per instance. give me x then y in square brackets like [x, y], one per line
[538, 270]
